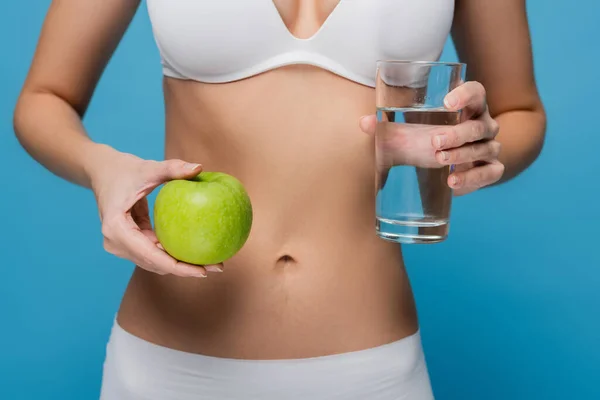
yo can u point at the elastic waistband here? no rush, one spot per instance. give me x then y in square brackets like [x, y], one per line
[404, 352]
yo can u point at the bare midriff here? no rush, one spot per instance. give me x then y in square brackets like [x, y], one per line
[313, 278]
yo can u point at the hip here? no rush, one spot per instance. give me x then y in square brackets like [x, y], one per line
[137, 369]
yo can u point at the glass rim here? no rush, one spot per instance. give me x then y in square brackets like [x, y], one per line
[421, 63]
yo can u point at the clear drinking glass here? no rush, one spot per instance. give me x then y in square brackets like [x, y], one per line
[413, 201]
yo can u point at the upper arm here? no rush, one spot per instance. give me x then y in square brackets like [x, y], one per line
[492, 37]
[76, 42]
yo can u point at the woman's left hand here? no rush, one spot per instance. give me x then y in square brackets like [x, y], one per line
[470, 146]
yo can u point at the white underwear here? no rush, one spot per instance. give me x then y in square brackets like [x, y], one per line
[135, 369]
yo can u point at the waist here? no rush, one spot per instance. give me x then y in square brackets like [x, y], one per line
[319, 304]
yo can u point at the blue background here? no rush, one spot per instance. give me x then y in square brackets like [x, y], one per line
[509, 305]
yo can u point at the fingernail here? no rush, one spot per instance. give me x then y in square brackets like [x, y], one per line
[454, 181]
[191, 166]
[197, 272]
[160, 246]
[213, 268]
[445, 156]
[440, 140]
[451, 101]
[361, 121]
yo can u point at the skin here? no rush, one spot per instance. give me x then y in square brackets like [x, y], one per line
[313, 278]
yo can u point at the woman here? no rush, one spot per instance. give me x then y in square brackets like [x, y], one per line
[279, 94]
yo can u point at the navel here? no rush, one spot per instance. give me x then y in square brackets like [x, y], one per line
[285, 261]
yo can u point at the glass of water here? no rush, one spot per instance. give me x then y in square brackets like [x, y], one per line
[413, 195]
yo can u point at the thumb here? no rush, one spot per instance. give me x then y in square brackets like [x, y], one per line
[367, 124]
[178, 169]
[164, 171]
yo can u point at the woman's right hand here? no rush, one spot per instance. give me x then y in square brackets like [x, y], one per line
[121, 183]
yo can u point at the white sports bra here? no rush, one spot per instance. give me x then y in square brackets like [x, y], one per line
[218, 41]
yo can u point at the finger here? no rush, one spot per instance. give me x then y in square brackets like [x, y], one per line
[481, 151]
[470, 97]
[209, 268]
[405, 144]
[147, 255]
[457, 135]
[140, 214]
[368, 124]
[176, 169]
[114, 244]
[161, 172]
[151, 236]
[214, 268]
[476, 178]
[463, 167]
[142, 226]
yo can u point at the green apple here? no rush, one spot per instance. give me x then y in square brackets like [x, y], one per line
[204, 220]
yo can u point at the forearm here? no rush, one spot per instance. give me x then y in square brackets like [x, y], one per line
[522, 137]
[51, 131]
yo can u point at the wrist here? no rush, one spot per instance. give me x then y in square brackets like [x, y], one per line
[96, 158]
